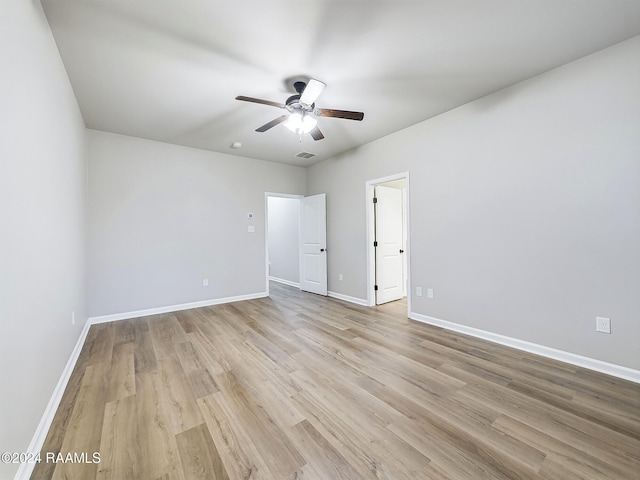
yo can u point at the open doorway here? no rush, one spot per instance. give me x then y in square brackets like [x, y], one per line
[388, 237]
[282, 239]
[295, 241]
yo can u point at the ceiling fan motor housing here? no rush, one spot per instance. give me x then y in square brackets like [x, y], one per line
[293, 104]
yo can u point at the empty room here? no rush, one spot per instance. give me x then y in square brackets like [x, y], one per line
[320, 239]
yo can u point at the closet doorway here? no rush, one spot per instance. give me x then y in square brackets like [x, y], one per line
[388, 235]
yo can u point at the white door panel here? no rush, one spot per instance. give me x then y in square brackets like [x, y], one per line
[389, 238]
[313, 242]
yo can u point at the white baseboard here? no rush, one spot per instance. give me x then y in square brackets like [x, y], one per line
[174, 308]
[37, 442]
[347, 298]
[286, 282]
[567, 357]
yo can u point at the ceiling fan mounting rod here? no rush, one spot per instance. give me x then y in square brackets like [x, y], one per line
[299, 87]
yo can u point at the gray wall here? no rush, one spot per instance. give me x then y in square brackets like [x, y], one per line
[525, 211]
[525, 208]
[284, 238]
[164, 217]
[42, 190]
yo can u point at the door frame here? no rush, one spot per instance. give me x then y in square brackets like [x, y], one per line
[370, 224]
[266, 231]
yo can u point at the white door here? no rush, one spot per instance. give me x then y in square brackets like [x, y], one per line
[313, 244]
[389, 241]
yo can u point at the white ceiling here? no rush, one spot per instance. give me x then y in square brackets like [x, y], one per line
[170, 70]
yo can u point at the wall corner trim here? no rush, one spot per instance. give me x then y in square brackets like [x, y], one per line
[347, 298]
[548, 352]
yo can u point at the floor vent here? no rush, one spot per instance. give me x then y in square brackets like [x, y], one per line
[305, 155]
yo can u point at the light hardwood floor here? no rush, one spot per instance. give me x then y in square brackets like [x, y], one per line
[298, 386]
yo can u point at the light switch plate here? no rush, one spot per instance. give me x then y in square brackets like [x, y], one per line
[251, 229]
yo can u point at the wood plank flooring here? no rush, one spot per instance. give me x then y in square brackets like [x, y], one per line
[298, 386]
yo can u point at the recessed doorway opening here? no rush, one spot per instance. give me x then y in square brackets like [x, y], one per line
[295, 241]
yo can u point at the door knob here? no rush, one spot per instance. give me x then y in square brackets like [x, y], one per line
[401, 251]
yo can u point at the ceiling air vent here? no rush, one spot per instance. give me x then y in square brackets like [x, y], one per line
[305, 155]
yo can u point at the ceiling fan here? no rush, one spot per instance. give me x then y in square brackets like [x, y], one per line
[301, 110]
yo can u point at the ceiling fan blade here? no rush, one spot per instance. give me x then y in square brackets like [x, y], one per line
[271, 124]
[258, 100]
[312, 91]
[316, 134]
[329, 112]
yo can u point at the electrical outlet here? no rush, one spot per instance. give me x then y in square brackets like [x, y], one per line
[429, 292]
[340, 277]
[205, 282]
[73, 317]
[418, 291]
[603, 325]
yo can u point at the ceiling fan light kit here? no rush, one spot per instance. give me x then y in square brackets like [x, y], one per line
[302, 112]
[300, 123]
